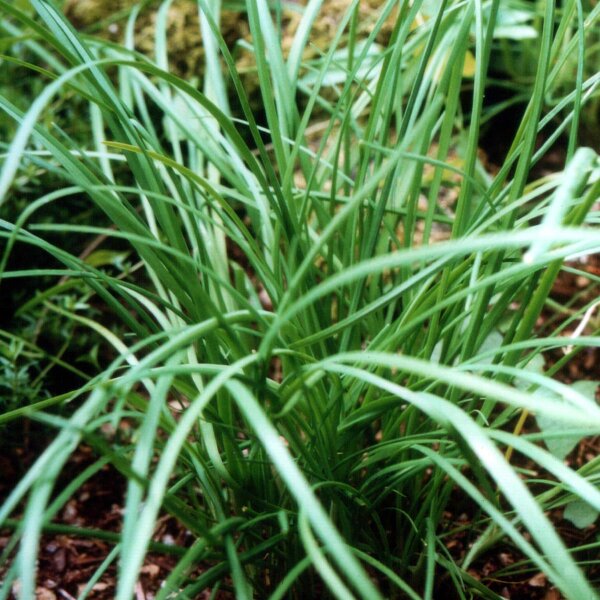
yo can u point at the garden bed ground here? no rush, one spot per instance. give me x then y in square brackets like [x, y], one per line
[85, 531]
[67, 561]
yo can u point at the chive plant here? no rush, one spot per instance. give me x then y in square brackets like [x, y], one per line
[322, 346]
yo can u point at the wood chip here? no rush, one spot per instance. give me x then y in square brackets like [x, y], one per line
[538, 580]
[151, 570]
[100, 587]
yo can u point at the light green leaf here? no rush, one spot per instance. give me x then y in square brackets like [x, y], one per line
[581, 514]
[102, 258]
[492, 342]
[560, 446]
[516, 32]
[587, 388]
[535, 365]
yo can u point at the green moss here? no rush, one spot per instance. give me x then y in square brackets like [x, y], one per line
[185, 48]
[186, 55]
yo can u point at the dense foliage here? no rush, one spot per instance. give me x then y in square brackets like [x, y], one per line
[318, 321]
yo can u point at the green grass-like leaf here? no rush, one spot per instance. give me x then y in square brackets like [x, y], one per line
[317, 343]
